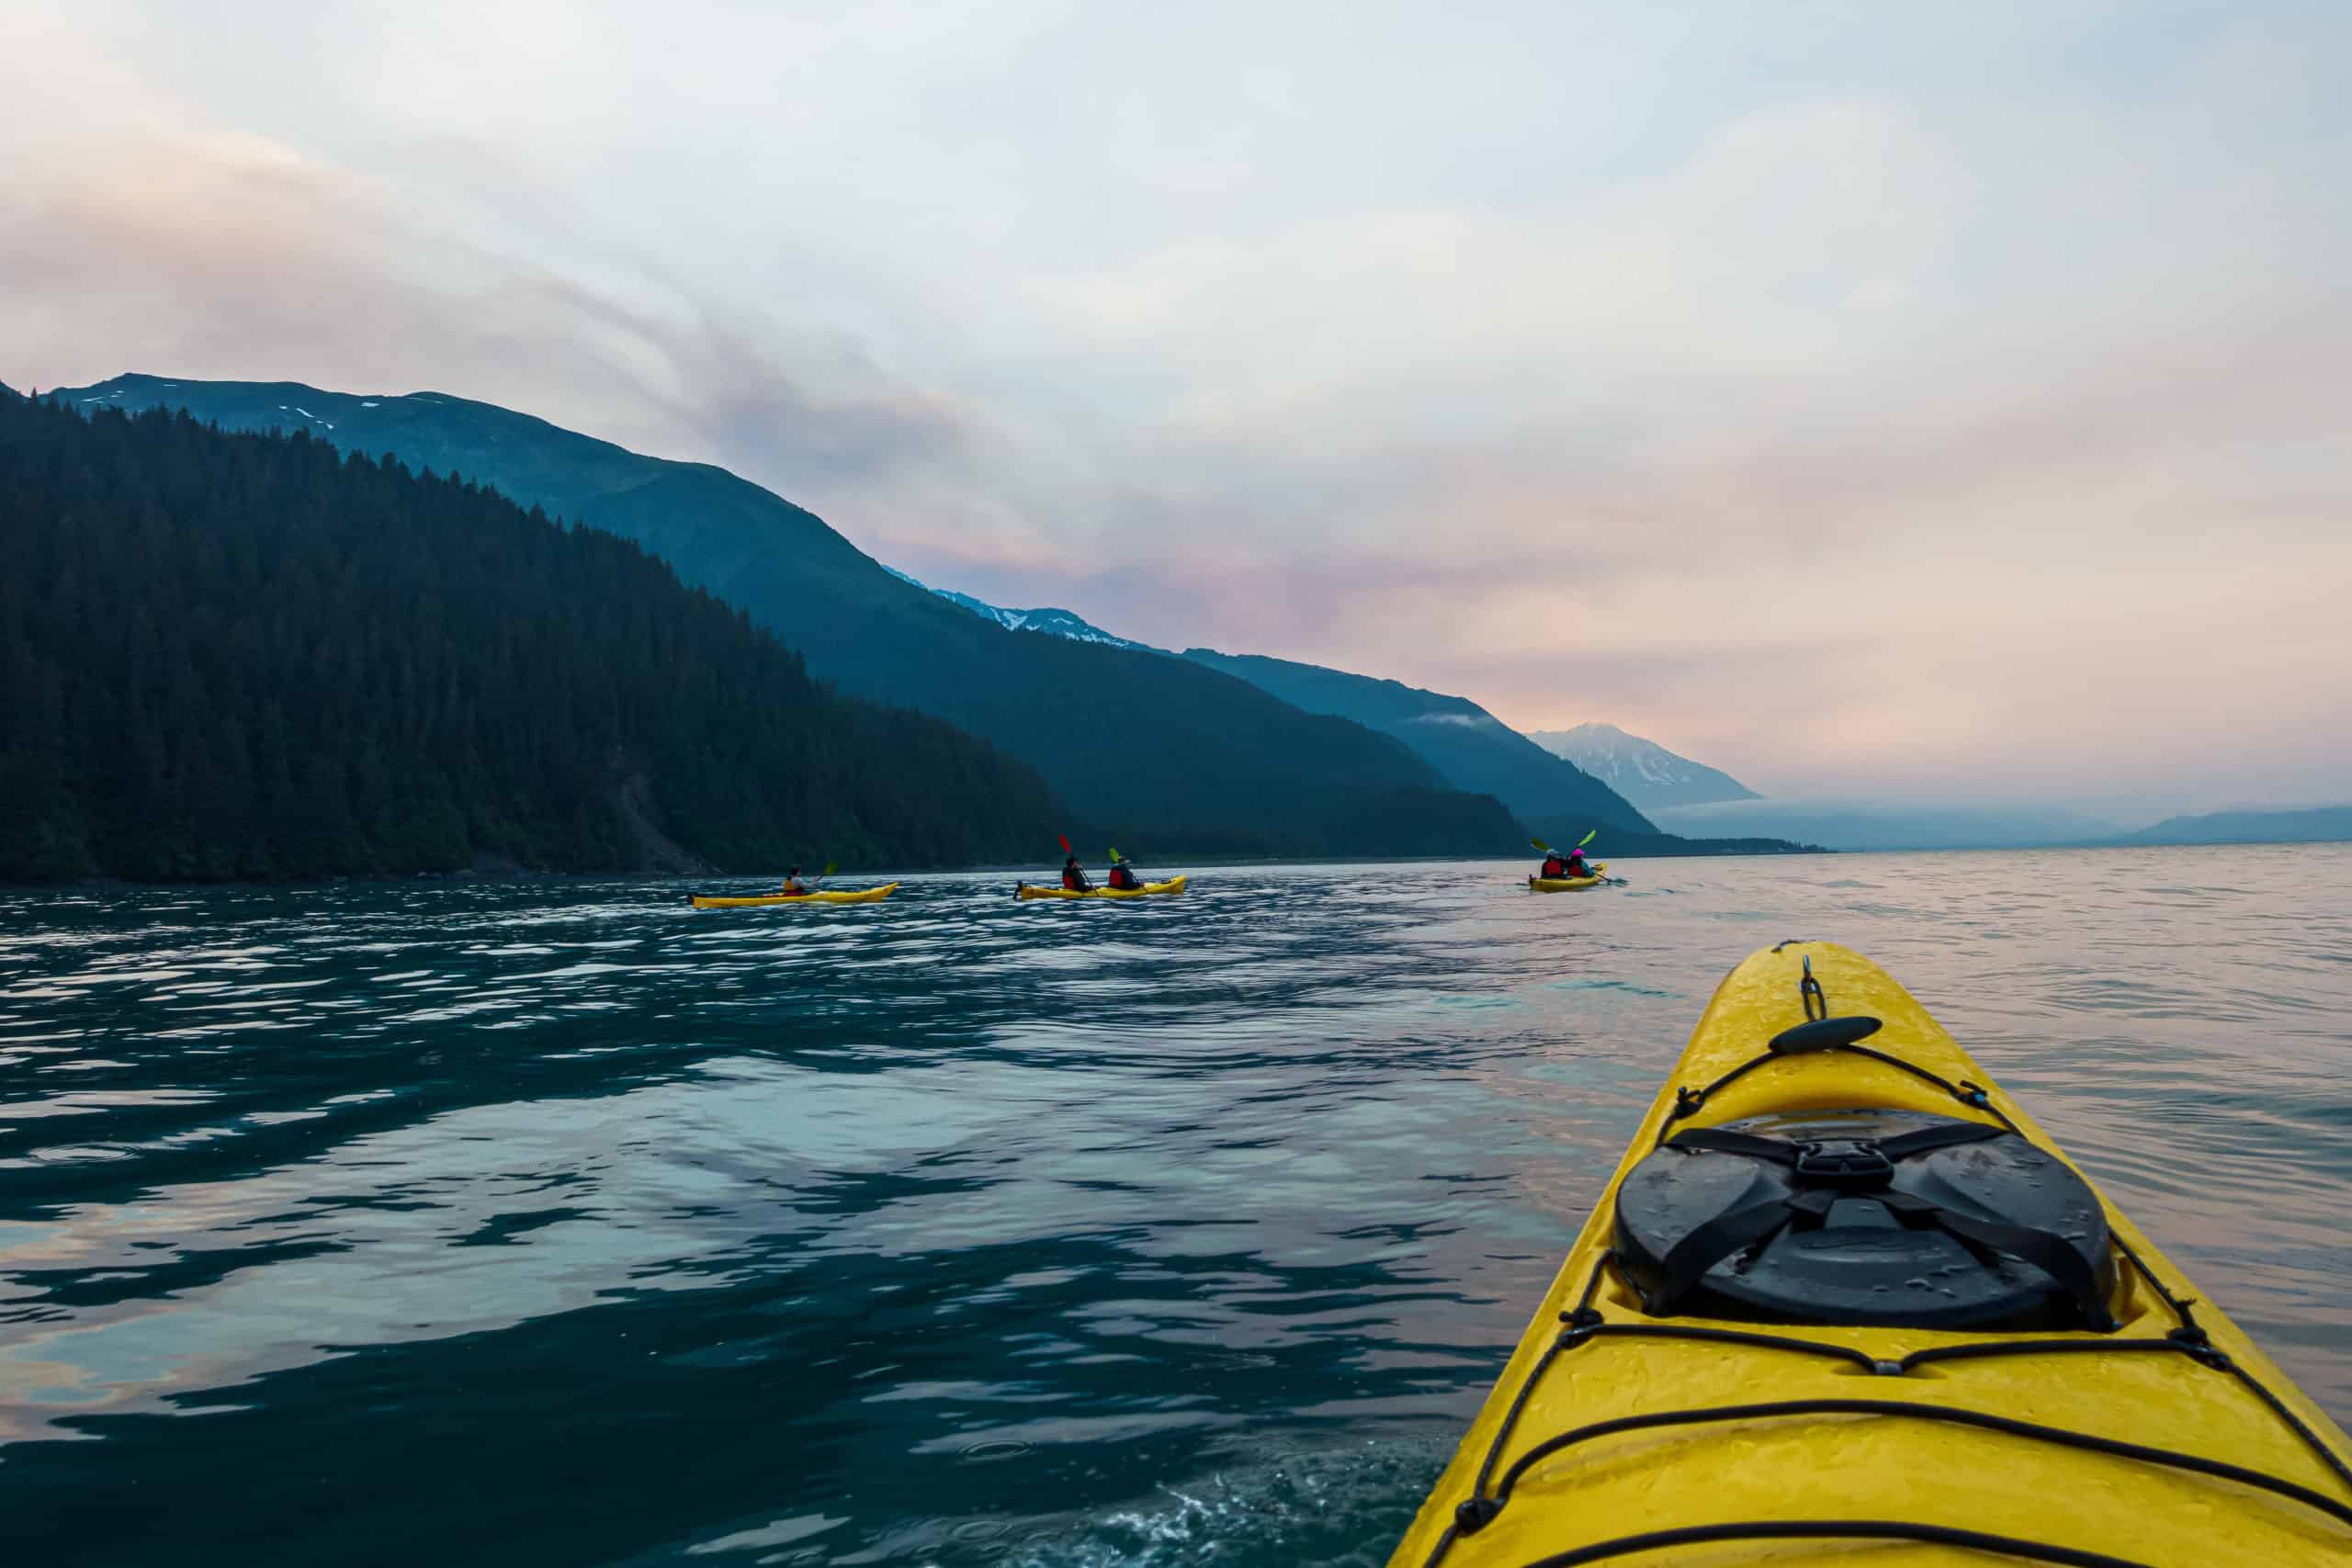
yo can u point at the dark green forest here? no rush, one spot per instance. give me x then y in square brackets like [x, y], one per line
[1169, 756]
[241, 656]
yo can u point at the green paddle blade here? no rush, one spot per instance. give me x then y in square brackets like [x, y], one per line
[1541, 845]
[829, 868]
[1586, 838]
[1114, 851]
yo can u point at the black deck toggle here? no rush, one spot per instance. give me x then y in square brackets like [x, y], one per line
[1822, 1035]
[1848, 1165]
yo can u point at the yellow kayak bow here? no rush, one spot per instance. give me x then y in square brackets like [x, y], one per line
[1843, 1301]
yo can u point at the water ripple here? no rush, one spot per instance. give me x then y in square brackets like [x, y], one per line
[560, 1223]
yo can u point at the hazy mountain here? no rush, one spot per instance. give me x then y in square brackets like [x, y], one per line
[1166, 752]
[1874, 825]
[2320, 824]
[1642, 770]
[1471, 747]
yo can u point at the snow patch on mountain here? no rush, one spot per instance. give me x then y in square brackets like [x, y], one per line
[1050, 621]
[1642, 770]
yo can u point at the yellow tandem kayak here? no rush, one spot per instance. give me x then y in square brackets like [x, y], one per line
[862, 895]
[1569, 884]
[1029, 890]
[1843, 1301]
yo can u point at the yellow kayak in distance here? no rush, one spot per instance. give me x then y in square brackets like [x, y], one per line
[1844, 1302]
[1569, 884]
[862, 895]
[1029, 890]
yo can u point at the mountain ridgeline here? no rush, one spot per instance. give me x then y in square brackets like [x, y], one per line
[2323, 824]
[1178, 758]
[1468, 746]
[1053, 622]
[243, 656]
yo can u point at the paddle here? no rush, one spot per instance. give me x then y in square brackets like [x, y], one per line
[1073, 854]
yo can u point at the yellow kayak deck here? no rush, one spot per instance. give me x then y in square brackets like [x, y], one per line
[2169, 1441]
[1569, 884]
[1173, 884]
[862, 895]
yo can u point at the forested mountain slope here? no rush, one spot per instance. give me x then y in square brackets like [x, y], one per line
[243, 656]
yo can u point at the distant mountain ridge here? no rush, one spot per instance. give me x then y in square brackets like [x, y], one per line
[1470, 746]
[2323, 824]
[1227, 765]
[1642, 770]
[1869, 825]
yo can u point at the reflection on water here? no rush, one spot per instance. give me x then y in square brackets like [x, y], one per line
[557, 1223]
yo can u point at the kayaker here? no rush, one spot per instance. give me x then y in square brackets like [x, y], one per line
[1575, 866]
[793, 886]
[1074, 876]
[1553, 867]
[1123, 874]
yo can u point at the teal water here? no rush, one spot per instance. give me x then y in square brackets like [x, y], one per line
[557, 1223]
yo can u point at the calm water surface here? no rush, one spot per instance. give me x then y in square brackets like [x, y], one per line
[558, 1224]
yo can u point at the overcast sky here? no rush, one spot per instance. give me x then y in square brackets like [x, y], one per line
[1901, 399]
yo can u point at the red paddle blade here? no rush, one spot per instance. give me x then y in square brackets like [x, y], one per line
[1065, 839]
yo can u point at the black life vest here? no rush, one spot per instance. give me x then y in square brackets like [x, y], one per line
[1123, 877]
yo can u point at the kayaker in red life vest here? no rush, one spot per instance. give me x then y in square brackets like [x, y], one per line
[1123, 874]
[1074, 876]
[793, 886]
[1558, 867]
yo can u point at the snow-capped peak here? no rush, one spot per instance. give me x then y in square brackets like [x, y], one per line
[1642, 770]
